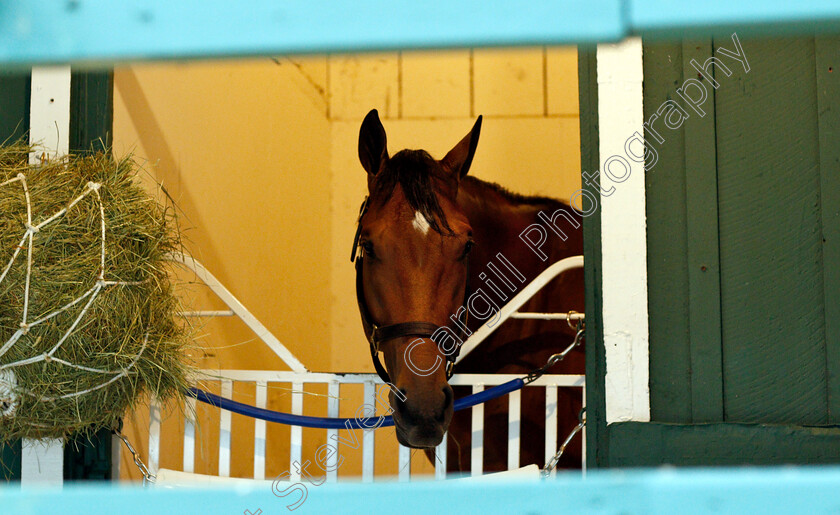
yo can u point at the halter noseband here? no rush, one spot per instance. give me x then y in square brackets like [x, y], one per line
[376, 334]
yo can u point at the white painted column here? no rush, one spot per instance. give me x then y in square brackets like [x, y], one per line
[42, 461]
[116, 455]
[623, 231]
[49, 117]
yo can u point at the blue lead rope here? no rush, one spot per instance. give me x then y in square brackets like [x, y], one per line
[340, 423]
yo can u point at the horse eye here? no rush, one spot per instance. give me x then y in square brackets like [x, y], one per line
[468, 248]
[367, 246]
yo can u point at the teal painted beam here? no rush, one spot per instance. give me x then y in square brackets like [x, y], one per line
[705, 18]
[788, 490]
[103, 31]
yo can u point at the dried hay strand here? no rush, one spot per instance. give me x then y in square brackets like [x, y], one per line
[81, 342]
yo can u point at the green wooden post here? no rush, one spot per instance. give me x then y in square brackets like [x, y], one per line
[596, 433]
[683, 261]
[827, 63]
[703, 259]
[772, 312]
[92, 111]
[667, 245]
[14, 105]
[91, 129]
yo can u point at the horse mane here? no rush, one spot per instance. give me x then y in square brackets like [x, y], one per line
[412, 170]
[514, 198]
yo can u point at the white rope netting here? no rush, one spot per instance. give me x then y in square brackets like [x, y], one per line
[8, 396]
[10, 390]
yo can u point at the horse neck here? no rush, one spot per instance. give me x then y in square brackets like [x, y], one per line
[498, 220]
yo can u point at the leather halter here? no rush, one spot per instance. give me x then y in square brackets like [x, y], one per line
[376, 334]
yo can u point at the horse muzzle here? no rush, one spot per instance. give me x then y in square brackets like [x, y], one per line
[421, 422]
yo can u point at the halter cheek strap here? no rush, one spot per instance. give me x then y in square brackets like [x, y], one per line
[377, 335]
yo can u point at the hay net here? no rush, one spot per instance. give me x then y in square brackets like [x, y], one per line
[86, 306]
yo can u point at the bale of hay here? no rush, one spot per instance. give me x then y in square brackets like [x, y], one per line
[87, 312]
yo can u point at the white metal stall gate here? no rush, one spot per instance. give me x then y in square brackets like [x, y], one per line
[299, 377]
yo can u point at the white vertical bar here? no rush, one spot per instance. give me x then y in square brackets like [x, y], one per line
[514, 404]
[623, 231]
[405, 463]
[368, 442]
[550, 422]
[154, 436]
[49, 113]
[116, 449]
[259, 432]
[189, 436]
[42, 463]
[440, 458]
[296, 436]
[224, 431]
[333, 392]
[477, 444]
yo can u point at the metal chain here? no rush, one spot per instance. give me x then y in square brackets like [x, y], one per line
[555, 358]
[552, 463]
[148, 477]
[580, 335]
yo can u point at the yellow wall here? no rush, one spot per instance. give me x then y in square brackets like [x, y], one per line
[261, 157]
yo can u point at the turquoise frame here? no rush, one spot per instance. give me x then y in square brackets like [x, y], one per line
[811, 490]
[43, 31]
[102, 32]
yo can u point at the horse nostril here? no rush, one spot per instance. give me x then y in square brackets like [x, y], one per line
[399, 402]
[448, 396]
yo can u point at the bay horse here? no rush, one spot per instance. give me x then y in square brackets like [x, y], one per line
[437, 254]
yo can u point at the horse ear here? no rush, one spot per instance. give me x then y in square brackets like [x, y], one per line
[459, 159]
[373, 148]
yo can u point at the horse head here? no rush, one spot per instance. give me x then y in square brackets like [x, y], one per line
[413, 246]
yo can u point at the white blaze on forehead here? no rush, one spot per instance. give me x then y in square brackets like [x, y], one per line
[420, 223]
